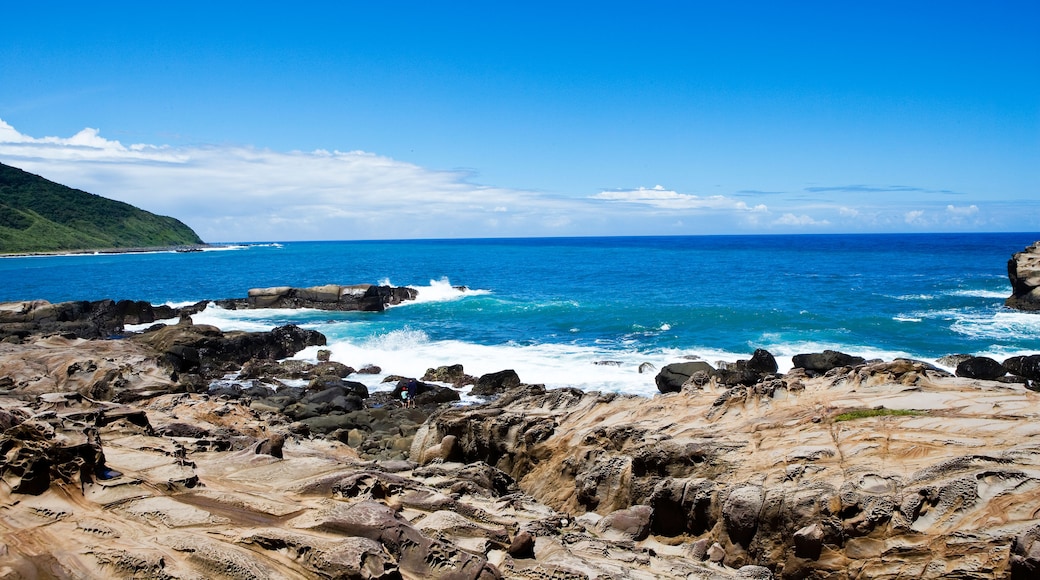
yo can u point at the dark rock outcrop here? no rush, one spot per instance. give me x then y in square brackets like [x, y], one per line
[451, 374]
[496, 383]
[825, 361]
[83, 319]
[672, 377]
[1024, 274]
[1027, 367]
[363, 297]
[980, 367]
[191, 348]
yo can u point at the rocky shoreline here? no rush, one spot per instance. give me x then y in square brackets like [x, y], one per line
[130, 455]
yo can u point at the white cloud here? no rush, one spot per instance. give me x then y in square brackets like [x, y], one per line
[789, 219]
[915, 217]
[661, 198]
[848, 212]
[235, 193]
[962, 211]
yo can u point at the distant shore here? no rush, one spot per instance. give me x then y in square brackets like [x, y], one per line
[155, 249]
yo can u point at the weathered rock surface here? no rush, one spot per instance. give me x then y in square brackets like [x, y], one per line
[115, 462]
[1024, 274]
[153, 499]
[940, 479]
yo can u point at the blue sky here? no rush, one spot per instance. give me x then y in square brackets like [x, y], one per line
[341, 120]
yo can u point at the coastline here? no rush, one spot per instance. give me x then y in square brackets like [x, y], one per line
[187, 449]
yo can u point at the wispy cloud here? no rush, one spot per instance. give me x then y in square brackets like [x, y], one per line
[878, 189]
[789, 219]
[662, 198]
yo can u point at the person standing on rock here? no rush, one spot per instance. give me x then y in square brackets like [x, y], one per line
[412, 390]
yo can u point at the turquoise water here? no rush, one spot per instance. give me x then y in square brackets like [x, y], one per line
[552, 308]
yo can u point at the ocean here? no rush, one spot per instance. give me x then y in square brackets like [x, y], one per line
[587, 312]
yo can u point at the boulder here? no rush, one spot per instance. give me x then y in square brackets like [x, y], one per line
[427, 394]
[522, 546]
[672, 377]
[495, 383]
[981, 368]
[740, 513]
[451, 374]
[1027, 367]
[748, 372]
[825, 361]
[630, 524]
[808, 542]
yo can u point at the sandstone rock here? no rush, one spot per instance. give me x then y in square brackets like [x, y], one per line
[522, 546]
[1024, 274]
[343, 558]
[740, 513]
[631, 524]
[417, 554]
[441, 451]
[1025, 554]
[755, 573]
[716, 553]
[808, 542]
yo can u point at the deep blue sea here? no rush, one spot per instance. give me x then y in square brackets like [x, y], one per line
[553, 308]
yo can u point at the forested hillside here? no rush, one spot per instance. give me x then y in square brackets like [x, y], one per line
[38, 215]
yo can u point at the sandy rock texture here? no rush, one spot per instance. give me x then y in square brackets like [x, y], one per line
[194, 485]
[880, 470]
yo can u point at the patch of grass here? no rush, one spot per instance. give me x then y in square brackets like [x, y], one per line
[882, 412]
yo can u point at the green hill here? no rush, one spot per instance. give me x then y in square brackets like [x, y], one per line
[38, 215]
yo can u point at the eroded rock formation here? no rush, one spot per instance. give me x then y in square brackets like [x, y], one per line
[1024, 273]
[878, 470]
